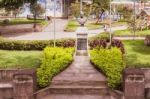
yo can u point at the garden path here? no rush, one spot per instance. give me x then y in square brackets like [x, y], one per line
[79, 81]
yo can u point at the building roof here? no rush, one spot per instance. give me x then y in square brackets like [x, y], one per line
[124, 1]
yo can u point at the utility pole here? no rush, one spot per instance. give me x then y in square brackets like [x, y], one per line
[81, 7]
[45, 8]
[54, 23]
[134, 28]
[110, 31]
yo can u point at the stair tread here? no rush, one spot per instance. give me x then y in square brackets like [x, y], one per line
[75, 96]
[72, 87]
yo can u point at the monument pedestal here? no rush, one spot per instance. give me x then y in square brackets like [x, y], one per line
[82, 41]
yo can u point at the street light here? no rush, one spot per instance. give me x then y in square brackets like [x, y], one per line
[81, 7]
[54, 23]
[110, 31]
[134, 28]
[45, 8]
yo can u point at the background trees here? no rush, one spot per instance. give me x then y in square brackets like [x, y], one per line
[14, 5]
[99, 7]
[75, 9]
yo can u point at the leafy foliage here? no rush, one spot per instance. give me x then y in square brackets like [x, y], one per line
[100, 6]
[75, 9]
[125, 11]
[102, 40]
[98, 43]
[14, 5]
[37, 9]
[110, 62]
[101, 36]
[54, 61]
[118, 44]
[33, 45]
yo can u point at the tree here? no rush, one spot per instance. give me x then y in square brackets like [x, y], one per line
[14, 5]
[75, 9]
[99, 7]
[125, 11]
[36, 10]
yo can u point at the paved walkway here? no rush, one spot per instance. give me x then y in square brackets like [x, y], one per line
[79, 81]
[48, 32]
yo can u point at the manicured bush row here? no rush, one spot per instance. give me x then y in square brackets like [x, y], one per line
[101, 36]
[34, 44]
[98, 43]
[118, 44]
[54, 60]
[110, 62]
[104, 44]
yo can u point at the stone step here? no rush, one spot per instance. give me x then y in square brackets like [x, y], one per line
[78, 90]
[79, 83]
[74, 96]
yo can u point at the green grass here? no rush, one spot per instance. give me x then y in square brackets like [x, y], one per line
[73, 25]
[91, 25]
[20, 59]
[137, 54]
[25, 21]
[129, 33]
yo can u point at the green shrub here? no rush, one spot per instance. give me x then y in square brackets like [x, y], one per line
[6, 44]
[54, 61]
[110, 62]
[6, 22]
[101, 36]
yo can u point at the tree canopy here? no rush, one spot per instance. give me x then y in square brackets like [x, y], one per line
[14, 4]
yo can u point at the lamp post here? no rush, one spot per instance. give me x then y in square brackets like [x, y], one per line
[45, 8]
[54, 23]
[110, 31]
[134, 28]
[81, 7]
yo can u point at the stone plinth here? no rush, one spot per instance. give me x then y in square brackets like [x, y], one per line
[23, 87]
[134, 84]
[82, 40]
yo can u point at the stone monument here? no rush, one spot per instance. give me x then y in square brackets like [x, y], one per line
[82, 38]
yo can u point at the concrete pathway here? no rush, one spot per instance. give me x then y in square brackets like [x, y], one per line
[79, 81]
[48, 32]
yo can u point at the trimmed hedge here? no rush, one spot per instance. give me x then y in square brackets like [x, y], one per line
[104, 44]
[110, 62]
[6, 44]
[101, 36]
[54, 61]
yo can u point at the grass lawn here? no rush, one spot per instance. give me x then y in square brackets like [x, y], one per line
[137, 54]
[91, 25]
[25, 21]
[128, 33]
[20, 59]
[73, 25]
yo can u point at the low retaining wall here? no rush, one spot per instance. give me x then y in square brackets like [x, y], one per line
[24, 28]
[17, 84]
[137, 83]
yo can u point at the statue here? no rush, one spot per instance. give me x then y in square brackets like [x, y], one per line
[82, 20]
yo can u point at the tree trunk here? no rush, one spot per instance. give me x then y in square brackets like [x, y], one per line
[99, 17]
[34, 23]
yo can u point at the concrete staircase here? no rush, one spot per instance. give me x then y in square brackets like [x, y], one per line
[79, 81]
